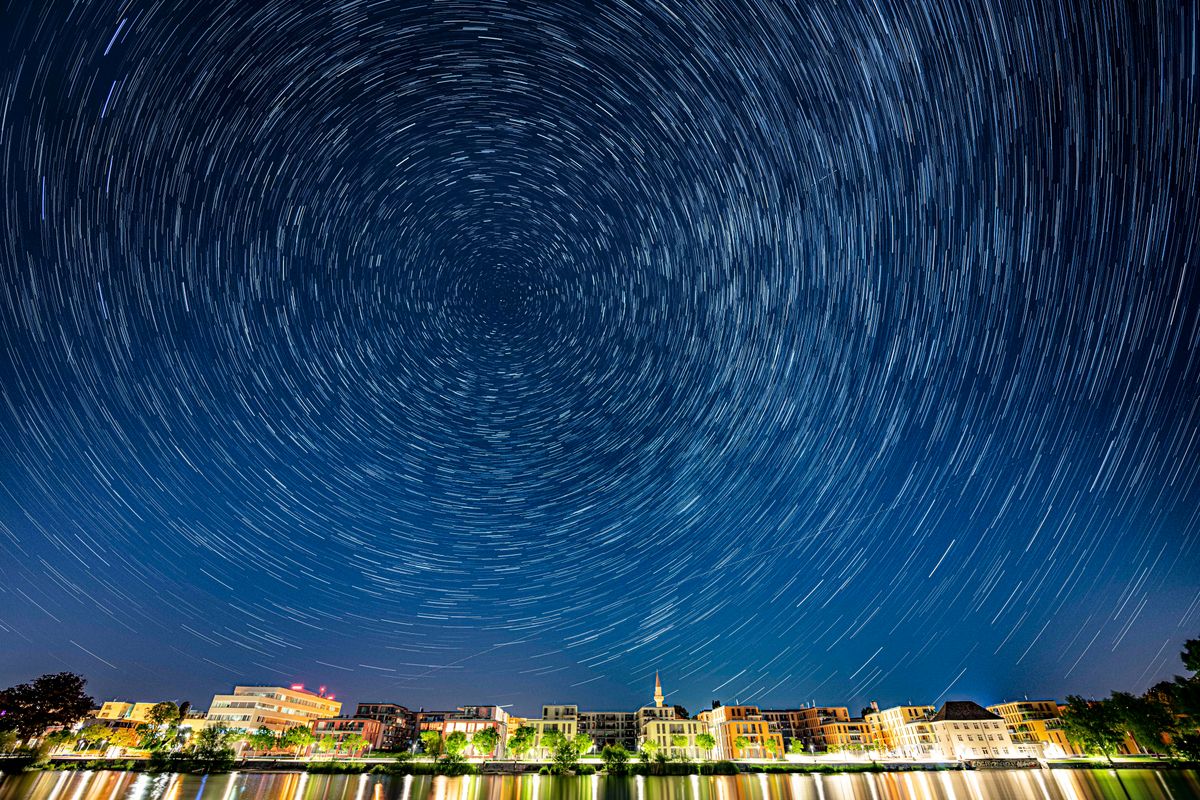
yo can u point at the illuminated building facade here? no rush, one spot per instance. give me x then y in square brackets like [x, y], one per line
[967, 731]
[136, 713]
[611, 727]
[901, 731]
[274, 707]
[742, 732]
[399, 723]
[556, 719]
[338, 728]
[1035, 726]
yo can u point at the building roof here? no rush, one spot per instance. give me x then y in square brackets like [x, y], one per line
[963, 710]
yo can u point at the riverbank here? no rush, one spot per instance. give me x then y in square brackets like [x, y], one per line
[1060, 784]
[391, 766]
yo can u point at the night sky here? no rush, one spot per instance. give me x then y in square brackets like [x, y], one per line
[505, 352]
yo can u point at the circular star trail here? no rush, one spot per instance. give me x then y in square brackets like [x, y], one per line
[512, 349]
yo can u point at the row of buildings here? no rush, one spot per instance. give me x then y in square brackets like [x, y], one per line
[959, 730]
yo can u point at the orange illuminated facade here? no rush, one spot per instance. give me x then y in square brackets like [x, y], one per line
[1036, 727]
[742, 732]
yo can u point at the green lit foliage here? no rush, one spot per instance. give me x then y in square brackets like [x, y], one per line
[263, 739]
[484, 741]
[616, 759]
[212, 747]
[354, 743]
[94, 736]
[522, 740]
[431, 743]
[1094, 726]
[650, 749]
[455, 745]
[165, 713]
[297, 738]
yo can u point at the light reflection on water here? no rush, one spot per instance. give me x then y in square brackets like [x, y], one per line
[990, 785]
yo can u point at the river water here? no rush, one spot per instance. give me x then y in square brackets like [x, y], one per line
[1060, 784]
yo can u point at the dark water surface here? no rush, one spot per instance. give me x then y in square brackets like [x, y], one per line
[990, 785]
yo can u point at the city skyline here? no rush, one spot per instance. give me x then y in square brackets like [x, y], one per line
[499, 351]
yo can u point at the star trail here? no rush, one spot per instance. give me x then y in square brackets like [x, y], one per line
[482, 351]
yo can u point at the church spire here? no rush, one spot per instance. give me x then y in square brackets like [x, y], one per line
[658, 695]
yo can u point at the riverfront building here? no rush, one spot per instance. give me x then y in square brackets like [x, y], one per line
[672, 733]
[741, 732]
[966, 731]
[846, 736]
[399, 724]
[611, 727]
[790, 723]
[556, 719]
[136, 713]
[468, 720]
[819, 729]
[338, 728]
[901, 731]
[273, 707]
[1036, 727]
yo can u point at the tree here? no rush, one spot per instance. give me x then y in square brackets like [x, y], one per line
[8, 741]
[740, 743]
[298, 737]
[679, 741]
[56, 739]
[796, 747]
[1188, 746]
[125, 738]
[1095, 726]
[28, 709]
[431, 743]
[94, 735]
[649, 749]
[454, 745]
[326, 743]
[522, 740]
[263, 739]
[771, 746]
[354, 742]
[1147, 718]
[212, 749]
[616, 759]
[164, 713]
[1191, 655]
[147, 737]
[484, 741]
[706, 742]
[551, 739]
[566, 750]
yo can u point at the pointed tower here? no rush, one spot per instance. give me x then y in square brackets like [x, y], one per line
[658, 695]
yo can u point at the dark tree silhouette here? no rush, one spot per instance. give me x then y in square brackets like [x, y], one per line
[28, 709]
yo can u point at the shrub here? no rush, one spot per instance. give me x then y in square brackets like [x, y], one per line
[721, 768]
[336, 767]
